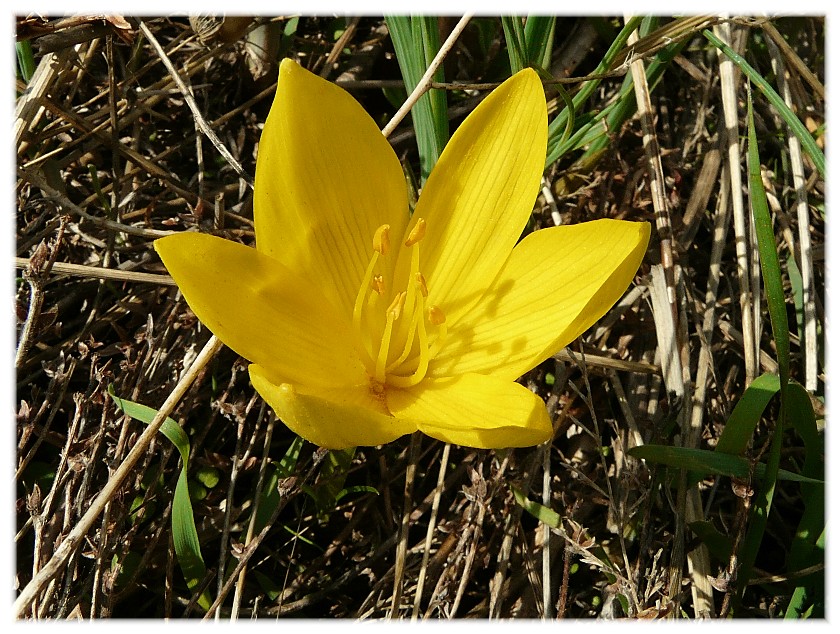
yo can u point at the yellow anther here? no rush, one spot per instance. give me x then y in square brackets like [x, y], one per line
[417, 233]
[397, 305]
[421, 284]
[377, 284]
[436, 316]
[382, 239]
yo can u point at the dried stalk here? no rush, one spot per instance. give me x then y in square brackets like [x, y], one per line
[426, 80]
[806, 257]
[193, 106]
[728, 87]
[430, 532]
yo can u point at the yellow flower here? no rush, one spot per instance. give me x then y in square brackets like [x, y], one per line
[363, 324]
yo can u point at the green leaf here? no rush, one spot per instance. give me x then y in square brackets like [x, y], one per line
[542, 513]
[539, 39]
[806, 549]
[557, 127]
[773, 97]
[416, 42]
[271, 588]
[771, 271]
[744, 418]
[599, 135]
[26, 60]
[184, 534]
[772, 277]
[719, 545]
[515, 39]
[710, 462]
[270, 496]
[359, 488]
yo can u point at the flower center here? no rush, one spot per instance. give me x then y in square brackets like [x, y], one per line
[400, 332]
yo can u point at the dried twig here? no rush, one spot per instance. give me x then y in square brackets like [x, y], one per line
[426, 80]
[806, 259]
[190, 100]
[743, 244]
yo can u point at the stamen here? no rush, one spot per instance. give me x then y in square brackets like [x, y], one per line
[397, 305]
[364, 289]
[417, 233]
[423, 361]
[382, 239]
[437, 318]
[377, 284]
[392, 314]
[436, 315]
[421, 284]
[416, 309]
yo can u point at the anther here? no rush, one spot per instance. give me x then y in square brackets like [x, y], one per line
[417, 233]
[397, 305]
[377, 284]
[436, 316]
[382, 239]
[421, 284]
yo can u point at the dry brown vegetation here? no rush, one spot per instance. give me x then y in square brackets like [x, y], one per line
[110, 155]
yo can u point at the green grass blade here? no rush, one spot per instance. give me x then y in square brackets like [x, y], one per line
[184, 533]
[557, 127]
[712, 463]
[416, 41]
[542, 513]
[806, 549]
[539, 38]
[744, 418]
[771, 271]
[594, 130]
[515, 39]
[270, 496]
[719, 545]
[772, 277]
[773, 97]
[625, 107]
[26, 60]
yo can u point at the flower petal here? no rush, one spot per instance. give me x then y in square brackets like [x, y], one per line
[556, 284]
[481, 192]
[262, 310]
[326, 180]
[335, 419]
[474, 410]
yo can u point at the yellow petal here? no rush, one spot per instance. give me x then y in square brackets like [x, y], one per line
[481, 192]
[474, 411]
[556, 284]
[326, 180]
[335, 419]
[263, 311]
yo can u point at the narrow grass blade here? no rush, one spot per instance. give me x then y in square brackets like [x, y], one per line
[807, 549]
[184, 534]
[771, 272]
[542, 513]
[713, 463]
[515, 39]
[719, 545]
[773, 97]
[744, 418]
[625, 106]
[270, 496]
[26, 60]
[772, 277]
[416, 41]
[557, 127]
[539, 38]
